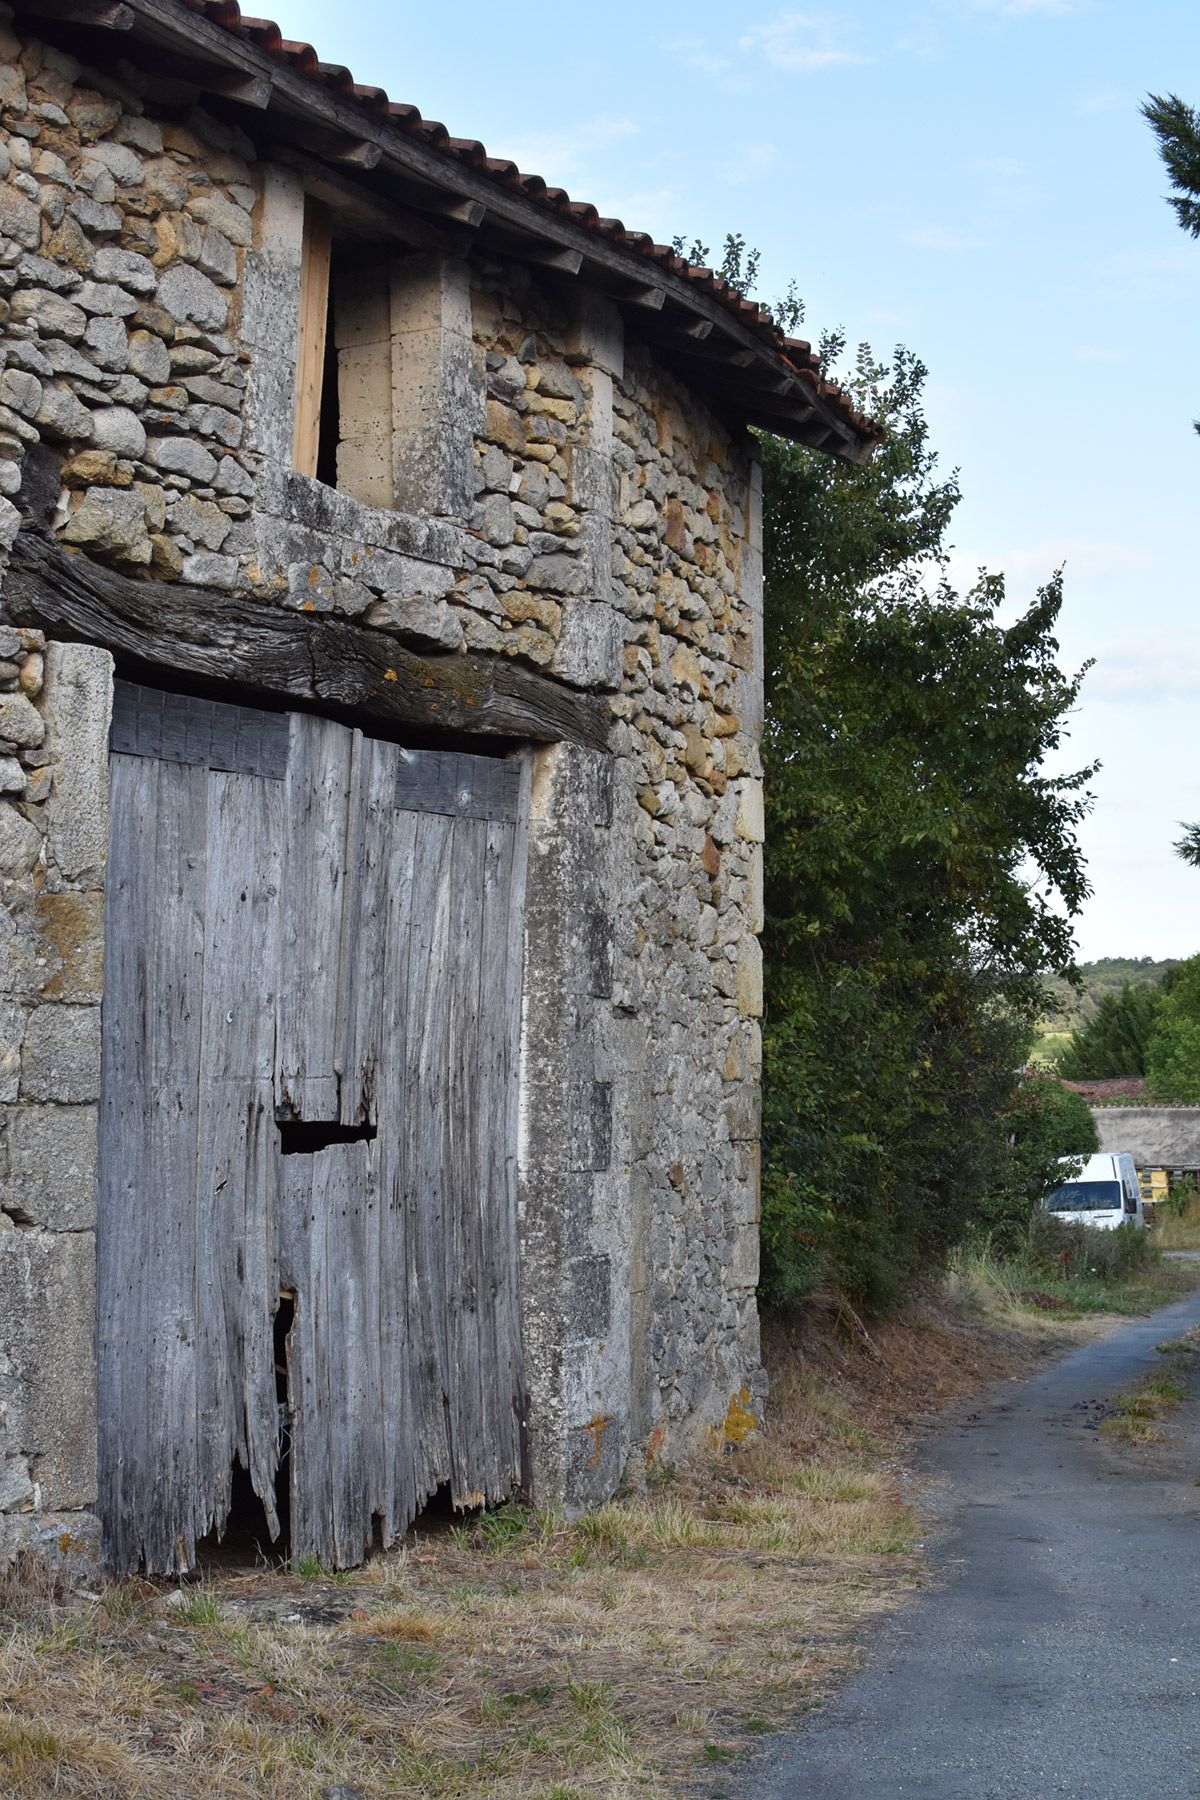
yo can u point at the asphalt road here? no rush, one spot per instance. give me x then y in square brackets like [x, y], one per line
[1059, 1653]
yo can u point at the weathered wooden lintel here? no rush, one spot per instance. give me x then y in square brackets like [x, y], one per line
[227, 638]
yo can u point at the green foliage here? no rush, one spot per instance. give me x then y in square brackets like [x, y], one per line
[1188, 846]
[1173, 1053]
[1113, 1042]
[1045, 1123]
[1177, 128]
[903, 941]
[1079, 1252]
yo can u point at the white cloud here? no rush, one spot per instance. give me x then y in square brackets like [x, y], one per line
[1179, 259]
[936, 237]
[651, 209]
[1132, 668]
[1087, 562]
[1102, 103]
[559, 154]
[1019, 8]
[752, 161]
[697, 55]
[795, 40]
[999, 165]
[1093, 353]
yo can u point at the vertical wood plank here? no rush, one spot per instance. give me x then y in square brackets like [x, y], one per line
[363, 948]
[237, 1282]
[465, 1155]
[500, 1007]
[310, 348]
[301, 1266]
[147, 1204]
[337, 1443]
[423, 1141]
[400, 1494]
[314, 866]
[122, 1298]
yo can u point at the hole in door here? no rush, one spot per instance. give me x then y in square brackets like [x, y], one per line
[304, 1137]
[439, 1515]
[246, 1540]
[284, 1319]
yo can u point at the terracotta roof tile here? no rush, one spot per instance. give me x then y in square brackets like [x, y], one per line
[302, 58]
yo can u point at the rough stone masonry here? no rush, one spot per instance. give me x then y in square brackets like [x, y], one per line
[524, 477]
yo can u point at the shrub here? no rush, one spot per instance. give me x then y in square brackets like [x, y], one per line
[1083, 1253]
[1046, 1122]
[1173, 1053]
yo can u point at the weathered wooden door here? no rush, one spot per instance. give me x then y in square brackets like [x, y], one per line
[311, 1010]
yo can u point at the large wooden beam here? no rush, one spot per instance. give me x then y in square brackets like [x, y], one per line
[200, 633]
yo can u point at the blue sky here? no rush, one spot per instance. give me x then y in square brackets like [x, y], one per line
[971, 178]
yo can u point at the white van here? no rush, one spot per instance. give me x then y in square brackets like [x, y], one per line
[1106, 1193]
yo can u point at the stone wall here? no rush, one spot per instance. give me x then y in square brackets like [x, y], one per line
[578, 510]
[1157, 1137]
[625, 526]
[55, 703]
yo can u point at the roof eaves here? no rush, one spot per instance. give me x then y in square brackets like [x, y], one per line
[780, 387]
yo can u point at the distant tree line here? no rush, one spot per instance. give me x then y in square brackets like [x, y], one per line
[1149, 1031]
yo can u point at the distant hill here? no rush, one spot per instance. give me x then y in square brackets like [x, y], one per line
[1106, 976]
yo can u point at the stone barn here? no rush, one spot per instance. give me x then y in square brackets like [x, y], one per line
[380, 807]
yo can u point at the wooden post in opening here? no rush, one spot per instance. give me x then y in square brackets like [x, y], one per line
[310, 350]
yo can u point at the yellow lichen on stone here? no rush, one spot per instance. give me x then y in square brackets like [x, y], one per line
[739, 1423]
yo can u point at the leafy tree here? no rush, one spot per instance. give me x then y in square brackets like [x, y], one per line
[903, 941]
[1188, 846]
[1113, 1042]
[1173, 1053]
[1046, 1122]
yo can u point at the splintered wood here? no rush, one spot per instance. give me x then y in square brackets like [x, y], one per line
[335, 940]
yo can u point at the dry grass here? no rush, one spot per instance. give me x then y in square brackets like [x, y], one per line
[1013, 1291]
[1177, 1231]
[625, 1653]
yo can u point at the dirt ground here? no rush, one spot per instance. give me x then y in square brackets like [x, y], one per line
[628, 1652]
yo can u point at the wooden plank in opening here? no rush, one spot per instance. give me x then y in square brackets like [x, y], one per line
[207, 733]
[310, 348]
[458, 785]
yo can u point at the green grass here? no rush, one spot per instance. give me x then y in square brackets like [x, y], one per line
[1138, 1409]
[1068, 1271]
